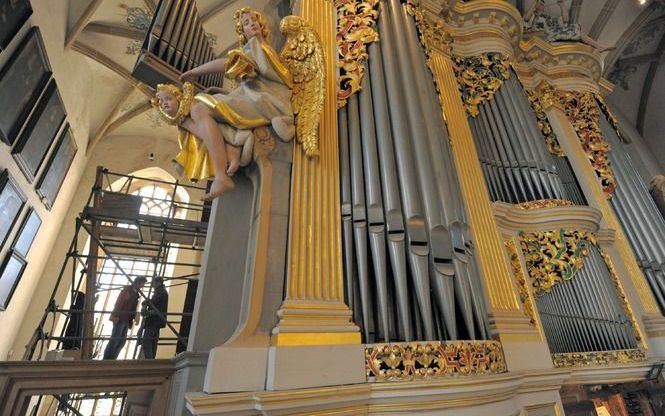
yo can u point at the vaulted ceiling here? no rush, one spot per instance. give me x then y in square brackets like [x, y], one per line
[109, 34]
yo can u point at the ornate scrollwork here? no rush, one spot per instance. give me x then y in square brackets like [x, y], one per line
[553, 145]
[584, 359]
[522, 286]
[582, 112]
[355, 29]
[419, 360]
[480, 77]
[554, 256]
[544, 203]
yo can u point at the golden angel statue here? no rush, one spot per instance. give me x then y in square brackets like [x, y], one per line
[285, 92]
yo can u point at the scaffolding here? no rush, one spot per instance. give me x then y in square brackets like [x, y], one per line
[118, 227]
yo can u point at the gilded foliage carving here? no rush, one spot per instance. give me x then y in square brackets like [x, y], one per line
[355, 29]
[520, 278]
[420, 360]
[554, 256]
[582, 113]
[544, 125]
[480, 77]
[584, 359]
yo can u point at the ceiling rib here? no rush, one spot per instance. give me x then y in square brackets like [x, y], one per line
[215, 9]
[602, 19]
[115, 30]
[101, 131]
[646, 87]
[627, 36]
[80, 24]
[110, 64]
[575, 9]
[637, 60]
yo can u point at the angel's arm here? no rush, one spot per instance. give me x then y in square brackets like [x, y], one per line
[214, 66]
[280, 68]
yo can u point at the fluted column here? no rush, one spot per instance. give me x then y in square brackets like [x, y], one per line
[313, 312]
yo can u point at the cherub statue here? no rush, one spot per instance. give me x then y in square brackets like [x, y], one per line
[556, 29]
[272, 89]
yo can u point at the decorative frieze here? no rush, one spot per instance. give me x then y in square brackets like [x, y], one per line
[422, 360]
[596, 358]
[545, 203]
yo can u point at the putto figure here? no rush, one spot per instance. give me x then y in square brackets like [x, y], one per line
[271, 90]
[553, 29]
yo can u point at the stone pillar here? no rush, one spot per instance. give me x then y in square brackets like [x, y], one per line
[315, 328]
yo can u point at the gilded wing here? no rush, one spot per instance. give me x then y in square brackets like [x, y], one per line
[303, 55]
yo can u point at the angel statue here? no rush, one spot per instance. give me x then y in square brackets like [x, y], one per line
[285, 92]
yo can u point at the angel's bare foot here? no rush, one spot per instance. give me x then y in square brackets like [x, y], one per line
[219, 187]
[233, 153]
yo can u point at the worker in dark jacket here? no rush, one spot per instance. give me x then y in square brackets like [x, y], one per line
[154, 317]
[123, 317]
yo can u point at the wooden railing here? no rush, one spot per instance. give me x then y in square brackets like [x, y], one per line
[147, 380]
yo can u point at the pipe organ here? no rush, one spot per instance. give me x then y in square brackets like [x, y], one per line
[176, 42]
[408, 250]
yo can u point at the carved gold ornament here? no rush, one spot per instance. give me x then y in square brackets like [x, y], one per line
[544, 203]
[355, 29]
[544, 125]
[303, 55]
[420, 360]
[480, 77]
[585, 359]
[554, 256]
[520, 279]
[185, 98]
[582, 113]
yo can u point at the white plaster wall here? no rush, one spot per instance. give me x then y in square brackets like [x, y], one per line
[73, 77]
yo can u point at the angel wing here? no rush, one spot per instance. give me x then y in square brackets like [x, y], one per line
[303, 55]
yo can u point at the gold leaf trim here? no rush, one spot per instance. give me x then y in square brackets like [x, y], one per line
[544, 125]
[355, 29]
[423, 360]
[586, 359]
[480, 77]
[622, 295]
[520, 279]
